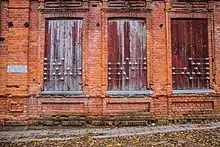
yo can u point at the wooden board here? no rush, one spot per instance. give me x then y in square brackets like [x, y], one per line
[127, 55]
[63, 55]
[190, 60]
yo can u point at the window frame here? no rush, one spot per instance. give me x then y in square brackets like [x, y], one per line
[42, 38]
[141, 16]
[210, 30]
[120, 43]
[45, 61]
[184, 63]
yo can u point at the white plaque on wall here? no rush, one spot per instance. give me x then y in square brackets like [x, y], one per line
[17, 68]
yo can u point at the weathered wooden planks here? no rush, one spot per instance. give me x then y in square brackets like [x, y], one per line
[127, 55]
[63, 59]
[190, 58]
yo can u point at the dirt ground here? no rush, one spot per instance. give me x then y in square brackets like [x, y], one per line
[199, 138]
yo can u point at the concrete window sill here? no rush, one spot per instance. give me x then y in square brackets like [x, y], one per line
[62, 92]
[194, 91]
[141, 92]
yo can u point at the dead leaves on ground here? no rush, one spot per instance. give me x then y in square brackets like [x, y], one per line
[196, 138]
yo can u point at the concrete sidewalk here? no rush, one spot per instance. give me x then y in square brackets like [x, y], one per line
[67, 134]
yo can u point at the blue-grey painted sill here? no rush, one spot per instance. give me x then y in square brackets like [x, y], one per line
[63, 92]
[143, 92]
[195, 91]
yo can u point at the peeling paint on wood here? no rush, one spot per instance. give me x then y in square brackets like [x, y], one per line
[127, 55]
[62, 71]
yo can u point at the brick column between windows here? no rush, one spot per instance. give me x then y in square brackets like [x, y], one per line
[94, 49]
[94, 59]
[159, 58]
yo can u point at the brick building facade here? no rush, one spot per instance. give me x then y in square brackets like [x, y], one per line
[132, 60]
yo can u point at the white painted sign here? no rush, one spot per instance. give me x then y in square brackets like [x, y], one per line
[17, 68]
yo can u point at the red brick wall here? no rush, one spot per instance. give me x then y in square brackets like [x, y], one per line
[158, 55]
[20, 96]
[17, 43]
[3, 46]
[216, 44]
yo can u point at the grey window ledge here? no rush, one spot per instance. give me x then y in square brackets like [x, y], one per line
[62, 92]
[194, 91]
[121, 92]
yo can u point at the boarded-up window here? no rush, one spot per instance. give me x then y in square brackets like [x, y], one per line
[190, 60]
[63, 63]
[127, 55]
